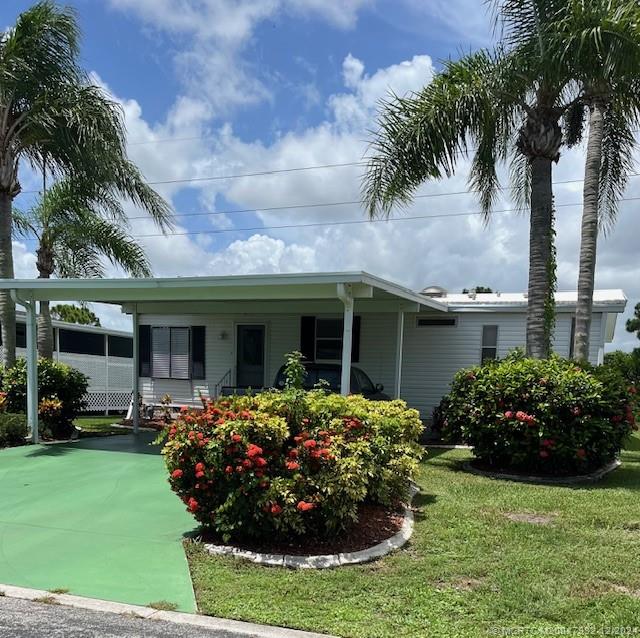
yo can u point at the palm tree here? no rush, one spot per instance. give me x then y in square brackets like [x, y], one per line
[74, 235]
[52, 116]
[601, 40]
[510, 105]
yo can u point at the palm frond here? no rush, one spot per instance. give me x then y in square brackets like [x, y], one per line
[520, 180]
[423, 136]
[617, 163]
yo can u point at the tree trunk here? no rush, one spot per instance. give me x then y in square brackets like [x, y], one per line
[44, 263]
[7, 305]
[540, 254]
[589, 237]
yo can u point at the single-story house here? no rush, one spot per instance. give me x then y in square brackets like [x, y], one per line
[197, 335]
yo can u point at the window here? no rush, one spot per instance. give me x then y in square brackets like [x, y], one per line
[328, 339]
[21, 335]
[489, 343]
[436, 321]
[170, 353]
[79, 342]
[572, 336]
[120, 346]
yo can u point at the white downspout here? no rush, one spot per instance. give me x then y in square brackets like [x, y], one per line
[135, 408]
[345, 295]
[399, 348]
[32, 365]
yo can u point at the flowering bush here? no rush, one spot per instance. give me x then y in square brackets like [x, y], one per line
[546, 416]
[291, 462]
[55, 380]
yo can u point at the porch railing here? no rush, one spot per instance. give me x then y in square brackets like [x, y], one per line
[225, 380]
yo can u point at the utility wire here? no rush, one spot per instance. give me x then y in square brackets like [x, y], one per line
[348, 222]
[344, 203]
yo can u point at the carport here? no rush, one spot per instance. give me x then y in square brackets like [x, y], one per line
[326, 292]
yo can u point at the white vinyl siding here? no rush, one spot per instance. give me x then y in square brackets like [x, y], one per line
[431, 354]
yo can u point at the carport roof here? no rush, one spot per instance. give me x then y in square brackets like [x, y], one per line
[227, 288]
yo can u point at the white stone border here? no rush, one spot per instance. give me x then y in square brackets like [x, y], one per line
[326, 561]
[222, 625]
[546, 480]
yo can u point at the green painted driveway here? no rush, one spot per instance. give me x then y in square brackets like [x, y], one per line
[95, 517]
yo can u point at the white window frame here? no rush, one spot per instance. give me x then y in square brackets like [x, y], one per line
[483, 347]
[171, 374]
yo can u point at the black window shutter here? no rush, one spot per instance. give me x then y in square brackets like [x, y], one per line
[197, 352]
[355, 343]
[308, 338]
[144, 351]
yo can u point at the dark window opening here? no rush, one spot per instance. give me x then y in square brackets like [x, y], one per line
[120, 346]
[77, 342]
[436, 321]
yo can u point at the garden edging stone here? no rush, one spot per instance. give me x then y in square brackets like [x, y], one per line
[546, 480]
[326, 561]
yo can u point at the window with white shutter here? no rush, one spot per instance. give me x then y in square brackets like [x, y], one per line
[161, 353]
[180, 353]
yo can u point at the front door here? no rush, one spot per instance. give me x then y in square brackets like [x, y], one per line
[250, 356]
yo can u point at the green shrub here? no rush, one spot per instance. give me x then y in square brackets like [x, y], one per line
[625, 363]
[57, 382]
[292, 462]
[545, 416]
[13, 429]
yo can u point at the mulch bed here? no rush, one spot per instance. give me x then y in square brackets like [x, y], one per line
[485, 467]
[375, 524]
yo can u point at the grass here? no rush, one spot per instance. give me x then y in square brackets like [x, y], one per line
[474, 567]
[163, 605]
[99, 425]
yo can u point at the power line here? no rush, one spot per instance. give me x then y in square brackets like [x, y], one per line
[343, 203]
[348, 222]
[214, 178]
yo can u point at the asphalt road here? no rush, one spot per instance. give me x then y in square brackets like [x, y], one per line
[26, 619]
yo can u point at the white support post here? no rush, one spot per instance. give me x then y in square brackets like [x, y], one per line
[346, 296]
[399, 346]
[135, 408]
[32, 369]
[106, 375]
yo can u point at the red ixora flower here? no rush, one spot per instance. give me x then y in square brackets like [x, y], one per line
[581, 453]
[236, 438]
[260, 462]
[247, 463]
[508, 414]
[293, 465]
[544, 454]
[310, 443]
[293, 454]
[199, 474]
[192, 504]
[176, 474]
[276, 509]
[228, 470]
[199, 467]
[253, 450]
[304, 506]
[547, 442]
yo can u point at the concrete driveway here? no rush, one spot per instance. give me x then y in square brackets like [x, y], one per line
[95, 517]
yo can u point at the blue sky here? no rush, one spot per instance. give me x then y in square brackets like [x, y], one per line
[258, 85]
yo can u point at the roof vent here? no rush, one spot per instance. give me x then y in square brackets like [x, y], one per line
[434, 291]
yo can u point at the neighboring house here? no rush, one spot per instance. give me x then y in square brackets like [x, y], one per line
[199, 334]
[105, 356]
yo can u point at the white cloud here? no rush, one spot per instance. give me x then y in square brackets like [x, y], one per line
[218, 31]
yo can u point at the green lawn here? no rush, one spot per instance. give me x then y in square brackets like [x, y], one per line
[99, 425]
[469, 569]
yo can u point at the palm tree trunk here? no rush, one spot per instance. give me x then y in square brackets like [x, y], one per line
[7, 305]
[589, 238]
[540, 254]
[44, 263]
